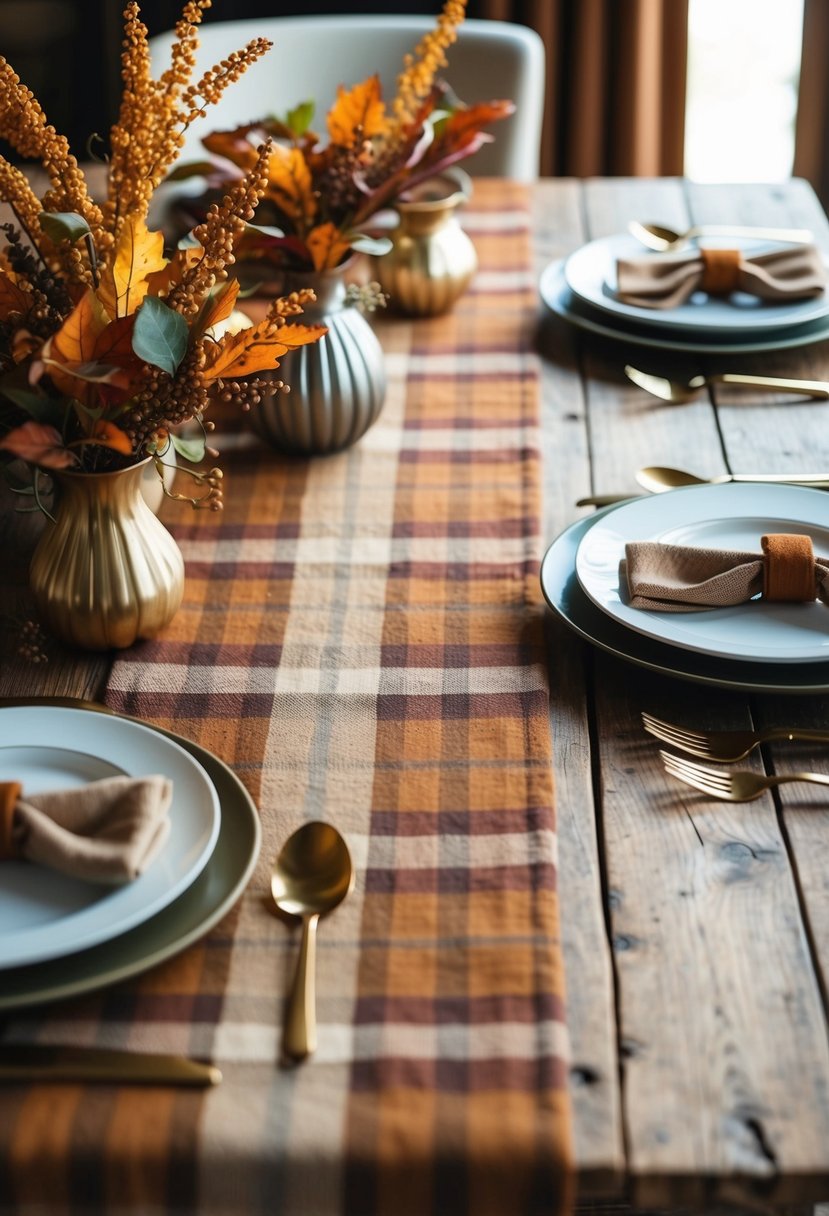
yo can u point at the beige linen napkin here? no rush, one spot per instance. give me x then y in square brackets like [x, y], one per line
[793, 272]
[108, 831]
[680, 578]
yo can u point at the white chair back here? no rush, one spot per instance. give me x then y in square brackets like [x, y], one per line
[311, 56]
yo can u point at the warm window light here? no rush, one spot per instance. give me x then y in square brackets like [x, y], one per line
[743, 68]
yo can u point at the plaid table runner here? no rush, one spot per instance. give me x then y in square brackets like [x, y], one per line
[361, 641]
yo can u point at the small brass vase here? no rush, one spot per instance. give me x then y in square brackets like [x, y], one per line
[107, 572]
[432, 259]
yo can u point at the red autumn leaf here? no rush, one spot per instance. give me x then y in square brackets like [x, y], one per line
[39, 444]
[233, 146]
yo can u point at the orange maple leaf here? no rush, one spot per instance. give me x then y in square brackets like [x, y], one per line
[138, 254]
[161, 281]
[327, 246]
[108, 435]
[257, 349]
[290, 185]
[220, 306]
[358, 113]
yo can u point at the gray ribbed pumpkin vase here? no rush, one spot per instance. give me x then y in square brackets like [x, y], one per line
[338, 384]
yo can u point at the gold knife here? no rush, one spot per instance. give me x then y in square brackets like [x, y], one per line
[43, 1062]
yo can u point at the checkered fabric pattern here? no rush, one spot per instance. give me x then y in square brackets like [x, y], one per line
[361, 640]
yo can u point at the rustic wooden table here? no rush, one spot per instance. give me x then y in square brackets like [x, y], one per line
[696, 933]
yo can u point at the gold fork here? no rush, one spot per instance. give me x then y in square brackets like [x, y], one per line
[724, 746]
[730, 786]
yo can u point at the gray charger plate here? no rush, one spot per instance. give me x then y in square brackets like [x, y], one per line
[183, 922]
[560, 300]
[561, 589]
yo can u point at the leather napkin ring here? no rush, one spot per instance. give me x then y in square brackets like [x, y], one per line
[10, 791]
[720, 271]
[788, 567]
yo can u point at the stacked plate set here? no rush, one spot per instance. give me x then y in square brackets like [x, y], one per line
[759, 646]
[60, 936]
[582, 290]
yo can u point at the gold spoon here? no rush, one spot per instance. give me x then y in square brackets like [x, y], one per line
[667, 240]
[680, 392]
[657, 478]
[311, 875]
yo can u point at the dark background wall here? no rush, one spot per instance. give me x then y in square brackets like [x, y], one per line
[68, 51]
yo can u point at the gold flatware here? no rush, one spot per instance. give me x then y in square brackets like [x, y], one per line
[725, 746]
[43, 1062]
[603, 500]
[311, 876]
[680, 392]
[657, 478]
[667, 240]
[730, 786]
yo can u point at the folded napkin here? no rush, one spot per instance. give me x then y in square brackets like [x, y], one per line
[108, 831]
[678, 578]
[791, 272]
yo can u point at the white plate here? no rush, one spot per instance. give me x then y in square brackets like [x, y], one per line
[590, 273]
[43, 914]
[565, 597]
[559, 299]
[732, 516]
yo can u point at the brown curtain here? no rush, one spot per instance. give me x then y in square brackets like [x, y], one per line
[811, 153]
[616, 74]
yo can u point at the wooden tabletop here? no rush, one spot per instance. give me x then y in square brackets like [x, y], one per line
[696, 933]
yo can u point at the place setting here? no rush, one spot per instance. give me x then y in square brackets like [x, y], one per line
[712, 290]
[98, 888]
[678, 582]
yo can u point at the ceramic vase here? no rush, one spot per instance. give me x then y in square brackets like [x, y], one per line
[106, 572]
[337, 385]
[432, 259]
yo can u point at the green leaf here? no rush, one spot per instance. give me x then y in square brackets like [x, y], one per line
[300, 118]
[64, 226]
[160, 335]
[189, 449]
[42, 409]
[191, 168]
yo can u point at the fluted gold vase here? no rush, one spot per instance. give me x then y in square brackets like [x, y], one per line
[107, 572]
[432, 259]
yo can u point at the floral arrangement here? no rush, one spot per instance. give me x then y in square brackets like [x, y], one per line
[107, 341]
[319, 196]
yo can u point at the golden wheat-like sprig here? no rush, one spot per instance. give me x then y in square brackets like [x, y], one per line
[23, 123]
[422, 65]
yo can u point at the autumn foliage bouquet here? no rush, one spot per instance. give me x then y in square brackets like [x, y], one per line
[320, 195]
[107, 340]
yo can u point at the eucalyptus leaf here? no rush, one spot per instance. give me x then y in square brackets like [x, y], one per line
[370, 244]
[160, 335]
[64, 226]
[189, 449]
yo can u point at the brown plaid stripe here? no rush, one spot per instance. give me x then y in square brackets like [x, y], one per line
[361, 640]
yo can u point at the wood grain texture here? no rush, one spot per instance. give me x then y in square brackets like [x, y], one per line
[595, 1089]
[696, 934]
